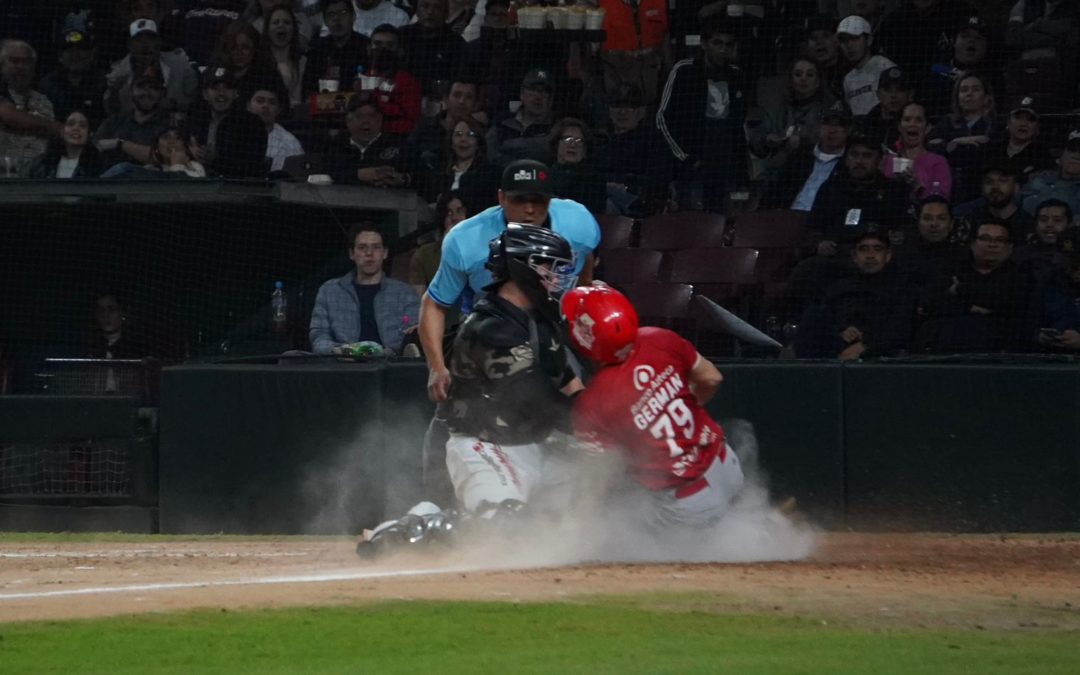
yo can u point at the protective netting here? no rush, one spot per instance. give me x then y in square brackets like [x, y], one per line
[204, 149]
[68, 469]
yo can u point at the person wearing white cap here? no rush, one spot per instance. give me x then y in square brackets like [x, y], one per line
[861, 82]
[144, 44]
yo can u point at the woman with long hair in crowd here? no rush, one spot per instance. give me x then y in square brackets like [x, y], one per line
[467, 171]
[963, 136]
[573, 175]
[69, 155]
[238, 51]
[450, 210]
[791, 125]
[258, 10]
[280, 47]
[926, 173]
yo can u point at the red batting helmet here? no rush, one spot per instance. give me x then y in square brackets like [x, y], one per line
[603, 323]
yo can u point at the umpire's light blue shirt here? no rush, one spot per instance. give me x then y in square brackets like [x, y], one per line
[465, 248]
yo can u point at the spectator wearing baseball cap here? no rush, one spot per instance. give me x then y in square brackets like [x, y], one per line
[817, 42]
[895, 90]
[523, 134]
[848, 200]
[869, 313]
[394, 88]
[77, 83]
[912, 34]
[131, 136]
[219, 96]
[861, 81]
[335, 55]
[802, 176]
[633, 159]
[433, 52]
[144, 51]
[999, 200]
[1062, 184]
[973, 48]
[370, 155]
[1020, 141]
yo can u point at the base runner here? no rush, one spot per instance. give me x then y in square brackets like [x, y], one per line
[646, 402]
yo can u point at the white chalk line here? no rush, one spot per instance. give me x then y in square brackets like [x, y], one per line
[246, 581]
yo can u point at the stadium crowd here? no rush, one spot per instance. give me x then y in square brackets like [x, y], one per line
[931, 144]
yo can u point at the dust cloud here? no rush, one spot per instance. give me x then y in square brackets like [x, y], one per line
[600, 523]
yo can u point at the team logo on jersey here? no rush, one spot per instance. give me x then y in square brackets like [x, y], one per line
[583, 331]
[643, 375]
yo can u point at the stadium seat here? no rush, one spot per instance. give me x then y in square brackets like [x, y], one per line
[778, 228]
[660, 300]
[729, 265]
[687, 229]
[630, 265]
[777, 234]
[616, 232]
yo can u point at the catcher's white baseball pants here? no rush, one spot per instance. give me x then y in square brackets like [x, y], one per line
[489, 472]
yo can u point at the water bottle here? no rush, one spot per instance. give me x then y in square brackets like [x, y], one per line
[279, 317]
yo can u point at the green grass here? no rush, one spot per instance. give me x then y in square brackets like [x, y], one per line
[441, 637]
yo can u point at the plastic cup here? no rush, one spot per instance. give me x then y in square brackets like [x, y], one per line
[594, 19]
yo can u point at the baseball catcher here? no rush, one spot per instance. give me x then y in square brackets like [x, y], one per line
[511, 383]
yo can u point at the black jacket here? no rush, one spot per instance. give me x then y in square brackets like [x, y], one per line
[638, 158]
[582, 183]
[881, 306]
[951, 326]
[923, 261]
[345, 159]
[432, 57]
[690, 134]
[879, 200]
[478, 186]
[324, 53]
[44, 165]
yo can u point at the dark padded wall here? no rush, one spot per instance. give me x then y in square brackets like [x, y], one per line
[335, 447]
[271, 449]
[796, 410]
[962, 447]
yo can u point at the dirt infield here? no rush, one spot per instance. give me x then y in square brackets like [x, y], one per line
[1023, 582]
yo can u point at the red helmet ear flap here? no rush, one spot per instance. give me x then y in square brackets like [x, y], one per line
[603, 324]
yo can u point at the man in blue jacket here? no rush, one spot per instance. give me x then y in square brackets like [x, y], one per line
[365, 304]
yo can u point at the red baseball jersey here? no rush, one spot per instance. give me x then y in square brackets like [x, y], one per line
[643, 408]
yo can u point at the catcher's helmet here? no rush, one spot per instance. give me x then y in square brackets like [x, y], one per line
[603, 324]
[539, 260]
